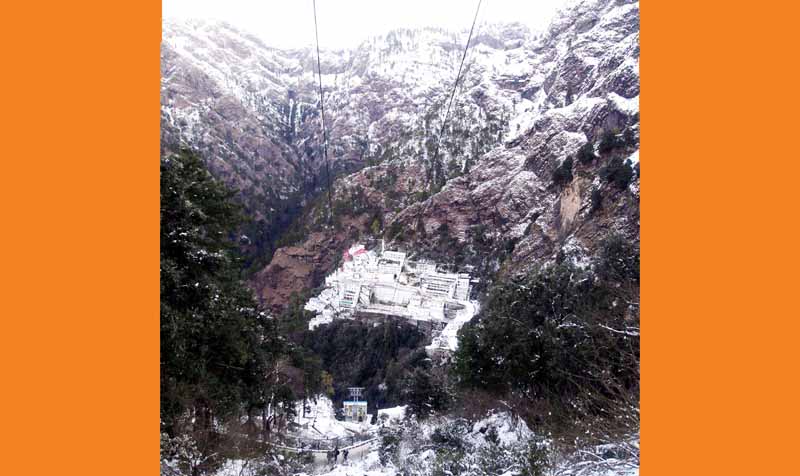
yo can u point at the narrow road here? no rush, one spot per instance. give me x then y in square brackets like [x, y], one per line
[357, 453]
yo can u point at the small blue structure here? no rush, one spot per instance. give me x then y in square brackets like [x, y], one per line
[355, 409]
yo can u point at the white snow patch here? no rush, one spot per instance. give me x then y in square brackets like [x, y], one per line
[510, 429]
[394, 414]
[448, 339]
[634, 158]
[321, 422]
[628, 106]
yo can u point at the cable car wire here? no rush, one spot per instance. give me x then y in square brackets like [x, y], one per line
[322, 115]
[455, 86]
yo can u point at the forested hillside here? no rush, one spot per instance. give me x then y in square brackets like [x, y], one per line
[221, 357]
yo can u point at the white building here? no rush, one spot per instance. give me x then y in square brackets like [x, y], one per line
[355, 411]
[389, 283]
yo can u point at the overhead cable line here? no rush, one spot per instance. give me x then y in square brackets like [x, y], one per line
[455, 85]
[322, 115]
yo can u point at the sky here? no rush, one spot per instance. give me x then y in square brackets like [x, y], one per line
[345, 23]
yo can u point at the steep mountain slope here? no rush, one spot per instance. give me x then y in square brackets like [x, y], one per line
[531, 197]
[252, 110]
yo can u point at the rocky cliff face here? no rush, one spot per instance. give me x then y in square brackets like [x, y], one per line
[252, 111]
[511, 190]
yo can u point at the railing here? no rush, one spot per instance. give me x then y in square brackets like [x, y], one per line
[324, 444]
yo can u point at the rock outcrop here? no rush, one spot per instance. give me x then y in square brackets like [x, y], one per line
[529, 101]
[505, 215]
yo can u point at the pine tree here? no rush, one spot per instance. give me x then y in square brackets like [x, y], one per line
[608, 142]
[217, 348]
[619, 172]
[597, 200]
[424, 396]
[561, 337]
[586, 153]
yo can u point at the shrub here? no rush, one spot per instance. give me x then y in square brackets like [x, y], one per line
[421, 195]
[619, 172]
[546, 337]
[424, 395]
[608, 142]
[451, 435]
[535, 460]
[390, 443]
[444, 231]
[619, 261]
[396, 230]
[375, 227]
[586, 153]
[479, 237]
[420, 227]
[562, 175]
[597, 200]
[629, 137]
[509, 245]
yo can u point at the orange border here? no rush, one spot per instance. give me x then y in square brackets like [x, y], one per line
[80, 124]
[719, 259]
[79, 280]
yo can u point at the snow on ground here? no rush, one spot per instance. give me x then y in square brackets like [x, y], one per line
[394, 414]
[325, 317]
[634, 185]
[634, 158]
[629, 106]
[321, 421]
[510, 429]
[417, 456]
[576, 253]
[448, 339]
[366, 464]
[525, 114]
[233, 467]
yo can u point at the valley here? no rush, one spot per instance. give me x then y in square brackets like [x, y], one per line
[481, 287]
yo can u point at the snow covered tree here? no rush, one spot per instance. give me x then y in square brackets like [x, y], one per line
[424, 395]
[562, 338]
[218, 350]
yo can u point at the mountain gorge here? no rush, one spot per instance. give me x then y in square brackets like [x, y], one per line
[253, 111]
[498, 206]
[530, 184]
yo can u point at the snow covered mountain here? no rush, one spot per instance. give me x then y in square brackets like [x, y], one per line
[527, 102]
[252, 110]
[526, 196]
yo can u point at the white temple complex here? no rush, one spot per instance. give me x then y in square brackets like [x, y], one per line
[382, 282]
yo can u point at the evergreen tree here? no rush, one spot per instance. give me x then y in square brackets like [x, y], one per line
[375, 227]
[562, 335]
[629, 137]
[597, 200]
[619, 172]
[586, 153]
[608, 142]
[217, 348]
[424, 396]
[562, 175]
